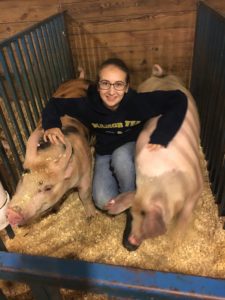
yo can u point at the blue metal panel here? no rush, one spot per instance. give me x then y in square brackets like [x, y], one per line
[103, 278]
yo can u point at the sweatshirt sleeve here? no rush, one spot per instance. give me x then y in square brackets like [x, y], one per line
[58, 107]
[172, 108]
[51, 114]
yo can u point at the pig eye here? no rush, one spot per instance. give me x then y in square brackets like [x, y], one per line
[143, 213]
[48, 188]
[26, 171]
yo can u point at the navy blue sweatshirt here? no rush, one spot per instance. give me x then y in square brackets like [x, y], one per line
[115, 128]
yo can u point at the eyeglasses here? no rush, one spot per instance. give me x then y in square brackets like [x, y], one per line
[106, 85]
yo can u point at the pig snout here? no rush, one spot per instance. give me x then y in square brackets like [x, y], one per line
[14, 216]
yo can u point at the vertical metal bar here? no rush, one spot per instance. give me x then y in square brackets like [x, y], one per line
[27, 81]
[12, 117]
[55, 49]
[31, 72]
[41, 63]
[13, 92]
[35, 63]
[222, 191]
[216, 181]
[11, 143]
[50, 56]
[53, 53]
[58, 49]
[199, 61]
[48, 69]
[21, 87]
[206, 92]
[219, 110]
[66, 48]
[60, 46]
[9, 172]
[208, 87]
[214, 37]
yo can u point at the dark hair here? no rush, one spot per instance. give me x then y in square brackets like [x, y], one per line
[118, 63]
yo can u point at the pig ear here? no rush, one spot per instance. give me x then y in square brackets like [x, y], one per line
[68, 171]
[32, 144]
[62, 163]
[157, 71]
[120, 203]
[81, 71]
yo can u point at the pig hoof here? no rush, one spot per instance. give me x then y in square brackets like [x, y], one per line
[126, 233]
[129, 246]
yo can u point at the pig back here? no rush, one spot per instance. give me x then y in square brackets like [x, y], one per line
[182, 153]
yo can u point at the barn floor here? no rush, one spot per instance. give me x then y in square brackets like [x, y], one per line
[67, 233]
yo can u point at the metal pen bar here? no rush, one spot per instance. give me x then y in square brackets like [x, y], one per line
[12, 89]
[56, 50]
[47, 69]
[53, 53]
[27, 82]
[56, 23]
[12, 146]
[32, 76]
[213, 85]
[219, 114]
[41, 63]
[29, 29]
[9, 184]
[208, 88]
[67, 50]
[36, 67]
[12, 117]
[216, 161]
[59, 50]
[108, 279]
[50, 57]
[20, 85]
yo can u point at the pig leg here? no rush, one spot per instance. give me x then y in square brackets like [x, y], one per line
[120, 203]
[126, 234]
[185, 215]
[85, 194]
[117, 205]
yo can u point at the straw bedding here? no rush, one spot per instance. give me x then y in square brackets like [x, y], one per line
[68, 234]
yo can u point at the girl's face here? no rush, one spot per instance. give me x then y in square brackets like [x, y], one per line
[112, 86]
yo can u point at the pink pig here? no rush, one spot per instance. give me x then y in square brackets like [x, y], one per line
[52, 170]
[169, 180]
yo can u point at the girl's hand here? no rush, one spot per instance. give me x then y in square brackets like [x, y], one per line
[54, 135]
[154, 147]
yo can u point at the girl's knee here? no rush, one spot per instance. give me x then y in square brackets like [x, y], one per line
[101, 197]
[123, 155]
[101, 202]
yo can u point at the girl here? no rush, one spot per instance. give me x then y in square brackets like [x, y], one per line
[116, 114]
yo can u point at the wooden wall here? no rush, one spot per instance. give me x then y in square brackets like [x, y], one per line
[142, 32]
